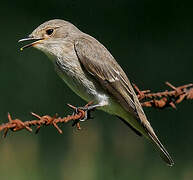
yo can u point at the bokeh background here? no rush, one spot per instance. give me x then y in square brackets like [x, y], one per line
[151, 40]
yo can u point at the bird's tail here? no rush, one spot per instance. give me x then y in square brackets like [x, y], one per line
[158, 145]
[149, 133]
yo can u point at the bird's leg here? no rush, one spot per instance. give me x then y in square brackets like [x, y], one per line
[87, 110]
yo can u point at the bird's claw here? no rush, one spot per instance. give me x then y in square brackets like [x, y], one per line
[86, 113]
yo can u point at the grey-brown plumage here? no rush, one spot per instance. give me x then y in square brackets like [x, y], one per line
[93, 73]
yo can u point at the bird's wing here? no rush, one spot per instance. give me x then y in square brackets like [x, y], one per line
[97, 60]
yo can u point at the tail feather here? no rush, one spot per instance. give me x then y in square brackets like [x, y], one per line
[148, 132]
[163, 152]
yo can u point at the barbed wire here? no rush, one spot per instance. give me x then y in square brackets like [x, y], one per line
[158, 100]
[46, 120]
[165, 98]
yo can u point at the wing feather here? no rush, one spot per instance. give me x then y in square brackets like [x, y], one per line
[101, 64]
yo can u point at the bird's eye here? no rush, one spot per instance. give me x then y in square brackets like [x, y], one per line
[49, 31]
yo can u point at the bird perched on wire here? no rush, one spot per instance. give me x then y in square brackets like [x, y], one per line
[90, 70]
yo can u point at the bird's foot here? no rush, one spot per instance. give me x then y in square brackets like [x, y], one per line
[85, 110]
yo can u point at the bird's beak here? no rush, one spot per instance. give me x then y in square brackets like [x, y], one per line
[36, 41]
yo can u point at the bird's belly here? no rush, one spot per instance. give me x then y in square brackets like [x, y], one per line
[79, 88]
[82, 84]
[87, 87]
[91, 91]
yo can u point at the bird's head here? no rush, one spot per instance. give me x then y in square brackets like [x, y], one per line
[50, 35]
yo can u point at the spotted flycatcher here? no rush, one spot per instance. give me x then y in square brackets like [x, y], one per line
[90, 70]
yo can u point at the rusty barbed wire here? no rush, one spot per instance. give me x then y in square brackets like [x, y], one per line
[46, 120]
[158, 100]
[165, 98]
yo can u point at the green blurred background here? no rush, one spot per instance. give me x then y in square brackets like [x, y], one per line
[151, 40]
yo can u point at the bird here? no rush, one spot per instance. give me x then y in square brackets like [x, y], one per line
[90, 70]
